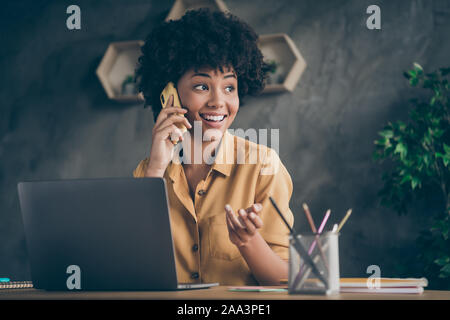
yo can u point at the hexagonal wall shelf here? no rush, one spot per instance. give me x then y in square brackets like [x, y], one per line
[181, 6]
[117, 69]
[288, 64]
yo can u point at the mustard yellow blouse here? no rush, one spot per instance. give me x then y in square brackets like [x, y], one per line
[203, 251]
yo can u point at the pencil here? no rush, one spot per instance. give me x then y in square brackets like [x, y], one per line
[347, 215]
[324, 221]
[291, 229]
[309, 217]
[314, 230]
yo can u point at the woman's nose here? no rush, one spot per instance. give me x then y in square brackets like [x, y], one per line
[216, 99]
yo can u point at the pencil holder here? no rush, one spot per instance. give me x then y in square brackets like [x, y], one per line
[318, 272]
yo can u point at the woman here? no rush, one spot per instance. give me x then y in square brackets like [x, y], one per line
[224, 227]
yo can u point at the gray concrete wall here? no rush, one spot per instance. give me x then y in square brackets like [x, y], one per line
[56, 122]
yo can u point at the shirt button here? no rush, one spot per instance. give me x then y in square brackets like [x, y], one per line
[195, 247]
[194, 275]
[201, 192]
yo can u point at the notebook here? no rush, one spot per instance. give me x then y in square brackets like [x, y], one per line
[16, 284]
[383, 285]
[416, 290]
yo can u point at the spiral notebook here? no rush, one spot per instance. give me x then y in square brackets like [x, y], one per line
[16, 285]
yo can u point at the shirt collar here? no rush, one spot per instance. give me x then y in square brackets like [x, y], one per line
[225, 156]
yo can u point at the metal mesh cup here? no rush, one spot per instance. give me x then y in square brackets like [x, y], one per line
[324, 252]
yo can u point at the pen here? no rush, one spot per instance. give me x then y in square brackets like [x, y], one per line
[299, 247]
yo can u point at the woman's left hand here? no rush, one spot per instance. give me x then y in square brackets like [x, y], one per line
[243, 227]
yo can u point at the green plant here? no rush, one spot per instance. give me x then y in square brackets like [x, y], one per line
[418, 151]
[128, 85]
[272, 66]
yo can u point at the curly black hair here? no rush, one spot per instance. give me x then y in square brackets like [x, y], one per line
[201, 38]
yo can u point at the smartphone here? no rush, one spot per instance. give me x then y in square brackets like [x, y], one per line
[165, 94]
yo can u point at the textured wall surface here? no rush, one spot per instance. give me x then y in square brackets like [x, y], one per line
[57, 123]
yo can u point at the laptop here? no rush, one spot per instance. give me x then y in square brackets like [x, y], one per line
[100, 234]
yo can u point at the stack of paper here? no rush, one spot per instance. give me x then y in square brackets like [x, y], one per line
[258, 289]
[383, 285]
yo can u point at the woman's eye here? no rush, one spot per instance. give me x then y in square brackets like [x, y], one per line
[231, 88]
[202, 86]
[205, 87]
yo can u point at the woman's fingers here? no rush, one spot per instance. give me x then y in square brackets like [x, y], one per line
[251, 228]
[168, 111]
[246, 220]
[174, 118]
[238, 229]
[234, 236]
[237, 223]
[167, 117]
[242, 226]
[256, 207]
[253, 213]
[229, 223]
[171, 132]
[233, 218]
[171, 124]
[256, 219]
[164, 111]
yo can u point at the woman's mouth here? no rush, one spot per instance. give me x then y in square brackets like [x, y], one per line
[213, 120]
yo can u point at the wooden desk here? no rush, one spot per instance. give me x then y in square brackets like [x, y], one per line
[214, 293]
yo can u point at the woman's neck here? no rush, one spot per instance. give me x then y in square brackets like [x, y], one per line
[200, 153]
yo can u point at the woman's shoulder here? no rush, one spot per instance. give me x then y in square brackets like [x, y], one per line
[139, 172]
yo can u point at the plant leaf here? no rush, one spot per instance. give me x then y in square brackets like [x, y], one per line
[442, 261]
[413, 82]
[386, 133]
[401, 149]
[417, 66]
[445, 271]
[415, 182]
[445, 71]
[447, 149]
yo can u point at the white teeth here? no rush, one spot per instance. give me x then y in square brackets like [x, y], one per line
[212, 118]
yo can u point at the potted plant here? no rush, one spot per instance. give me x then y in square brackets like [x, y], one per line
[128, 86]
[418, 151]
[271, 69]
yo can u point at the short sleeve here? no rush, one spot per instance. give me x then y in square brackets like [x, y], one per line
[275, 181]
[139, 172]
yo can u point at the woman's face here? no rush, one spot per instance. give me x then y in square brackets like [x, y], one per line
[210, 97]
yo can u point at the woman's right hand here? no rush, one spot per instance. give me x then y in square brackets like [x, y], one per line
[164, 131]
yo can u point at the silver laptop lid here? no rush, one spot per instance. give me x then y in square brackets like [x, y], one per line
[116, 230]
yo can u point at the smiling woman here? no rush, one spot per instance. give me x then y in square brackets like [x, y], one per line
[210, 97]
[222, 224]
[201, 38]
